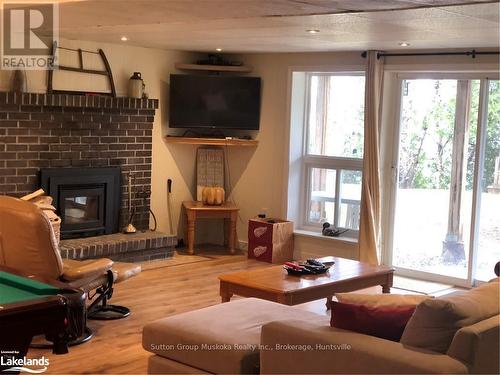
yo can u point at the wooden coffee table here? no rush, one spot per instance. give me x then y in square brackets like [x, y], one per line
[274, 284]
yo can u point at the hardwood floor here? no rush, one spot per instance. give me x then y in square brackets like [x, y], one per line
[153, 294]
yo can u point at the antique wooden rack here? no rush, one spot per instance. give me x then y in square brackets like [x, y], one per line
[81, 69]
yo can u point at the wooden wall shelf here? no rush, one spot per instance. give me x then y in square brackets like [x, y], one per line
[212, 141]
[214, 68]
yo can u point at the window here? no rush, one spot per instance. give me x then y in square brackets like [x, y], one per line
[333, 150]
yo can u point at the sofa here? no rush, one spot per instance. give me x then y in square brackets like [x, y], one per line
[257, 336]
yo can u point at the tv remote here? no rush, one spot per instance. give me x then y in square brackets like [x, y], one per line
[315, 262]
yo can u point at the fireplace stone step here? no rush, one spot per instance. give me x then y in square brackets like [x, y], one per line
[137, 247]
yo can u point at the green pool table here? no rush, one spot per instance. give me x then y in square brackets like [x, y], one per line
[16, 289]
[30, 307]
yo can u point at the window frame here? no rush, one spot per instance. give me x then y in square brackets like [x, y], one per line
[337, 163]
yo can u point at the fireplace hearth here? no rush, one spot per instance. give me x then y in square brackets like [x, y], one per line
[86, 199]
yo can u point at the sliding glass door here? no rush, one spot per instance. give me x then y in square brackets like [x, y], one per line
[446, 207]
[487, 233]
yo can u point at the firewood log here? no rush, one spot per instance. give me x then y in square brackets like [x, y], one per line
[33, 195]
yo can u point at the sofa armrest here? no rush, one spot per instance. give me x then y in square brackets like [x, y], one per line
[304, 347]
[478, 345]
[86, 269]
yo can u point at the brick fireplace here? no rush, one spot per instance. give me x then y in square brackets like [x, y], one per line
[39, 131]
[62, 131]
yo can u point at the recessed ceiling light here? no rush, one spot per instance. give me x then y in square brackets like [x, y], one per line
[313, 31]
[218, 49]
[123, 38]
[404, 44]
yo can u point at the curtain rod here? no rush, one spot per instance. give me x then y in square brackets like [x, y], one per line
[472, 53]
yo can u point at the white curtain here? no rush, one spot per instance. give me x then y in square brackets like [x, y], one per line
[369, 232]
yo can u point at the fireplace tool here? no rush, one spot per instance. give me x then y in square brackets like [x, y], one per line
[169, 204]
[145, 194]
[129, 228]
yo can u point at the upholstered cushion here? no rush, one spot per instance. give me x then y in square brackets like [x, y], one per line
[207, 339]
[77, 270]
[436, 321]
[384, 322]
[87, 283]
[381, 300]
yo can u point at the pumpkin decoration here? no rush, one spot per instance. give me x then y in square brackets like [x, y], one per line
[213, 196]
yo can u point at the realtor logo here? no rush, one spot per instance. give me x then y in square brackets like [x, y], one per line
[12, 363]
[28, 31]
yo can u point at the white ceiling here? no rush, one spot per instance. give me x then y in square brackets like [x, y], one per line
[280, 25]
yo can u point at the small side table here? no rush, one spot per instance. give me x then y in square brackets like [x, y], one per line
[197, 210]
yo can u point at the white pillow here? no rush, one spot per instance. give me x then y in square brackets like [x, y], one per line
[435, 322]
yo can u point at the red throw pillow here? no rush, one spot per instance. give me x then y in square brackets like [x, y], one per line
[384, 322]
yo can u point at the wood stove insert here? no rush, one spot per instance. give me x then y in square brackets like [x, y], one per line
[86, 199]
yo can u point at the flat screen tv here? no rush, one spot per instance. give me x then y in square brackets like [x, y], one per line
[214, 102]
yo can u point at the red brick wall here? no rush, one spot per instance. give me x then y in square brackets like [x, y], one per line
[41, 131]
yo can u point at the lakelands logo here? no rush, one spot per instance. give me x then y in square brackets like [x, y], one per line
[28, 31]
[13, 363]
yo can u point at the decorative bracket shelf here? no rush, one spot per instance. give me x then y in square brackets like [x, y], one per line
[212, 141]
[214, 68]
